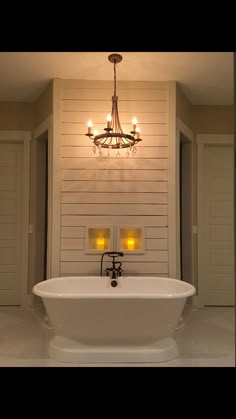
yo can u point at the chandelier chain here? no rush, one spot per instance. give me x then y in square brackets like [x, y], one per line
[114, 78]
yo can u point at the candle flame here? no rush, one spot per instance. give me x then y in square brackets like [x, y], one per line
[109, 117]
[134, 121]
[130, 243]
[90, 124]
[100, 243]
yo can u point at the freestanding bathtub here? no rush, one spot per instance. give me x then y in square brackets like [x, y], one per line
[94, 322]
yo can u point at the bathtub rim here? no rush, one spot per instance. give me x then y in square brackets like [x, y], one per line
[110, 295]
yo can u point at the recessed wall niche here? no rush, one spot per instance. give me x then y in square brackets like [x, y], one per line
[99, 239]
[130, 239]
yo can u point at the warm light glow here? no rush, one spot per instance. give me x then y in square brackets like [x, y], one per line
[134, 122]
[130, 243]
[109, 118]
[100, 243]
[95, 132]
[90, 124]
[138, 132]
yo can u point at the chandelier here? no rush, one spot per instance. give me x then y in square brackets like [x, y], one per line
[114, 137]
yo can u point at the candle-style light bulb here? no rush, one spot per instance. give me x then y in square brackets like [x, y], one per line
[138, 133]
[109, 119]
[90, 125]
[134, 122]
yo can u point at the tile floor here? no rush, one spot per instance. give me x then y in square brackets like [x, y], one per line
[205, 339]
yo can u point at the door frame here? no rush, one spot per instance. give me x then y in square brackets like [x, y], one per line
[45, 128]
[22, 137]
[182, 128]
[202, 141]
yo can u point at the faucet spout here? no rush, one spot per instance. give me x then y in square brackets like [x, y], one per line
[115, 270]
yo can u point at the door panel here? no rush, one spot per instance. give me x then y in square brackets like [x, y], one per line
[218, 225]
[11, 163]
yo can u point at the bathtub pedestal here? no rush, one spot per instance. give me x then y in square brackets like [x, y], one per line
[68, 350]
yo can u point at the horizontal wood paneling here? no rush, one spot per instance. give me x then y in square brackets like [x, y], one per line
[72, 244]
[123, 94]
[86, 220]
[147, 152]
[114, 209]
[130, 268]
[114, 197]
[155, 236]
[156, 233]
[109, 84]
[105, 106]
[156, 244]
[78, 232]
[110, 186]
[121, 175]
[146, 129]
[125, 117]
[83, 141]
[110, 190]
[104, 163]
[71, 255]
[149, 256]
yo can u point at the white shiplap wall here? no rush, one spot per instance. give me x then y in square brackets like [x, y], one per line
[115, 190]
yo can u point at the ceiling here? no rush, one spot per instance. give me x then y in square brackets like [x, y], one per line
[206, 78]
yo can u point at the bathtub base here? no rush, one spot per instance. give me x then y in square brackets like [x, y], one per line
[68, 350]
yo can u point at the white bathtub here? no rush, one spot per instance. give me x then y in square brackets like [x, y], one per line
[94, 322]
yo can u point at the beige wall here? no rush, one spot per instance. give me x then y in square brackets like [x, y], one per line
[20, 116]
[43, 106]
[113, 191]
[183, 108]
[204, 119]
[213, 119]
[16, 116]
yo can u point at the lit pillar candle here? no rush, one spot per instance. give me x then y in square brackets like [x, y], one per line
[138, 133]
[130, 243]
[100, 243]
[109, 118]
[90, 124]
[134, 122]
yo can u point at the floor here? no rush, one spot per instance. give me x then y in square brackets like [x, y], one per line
[206, 338]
